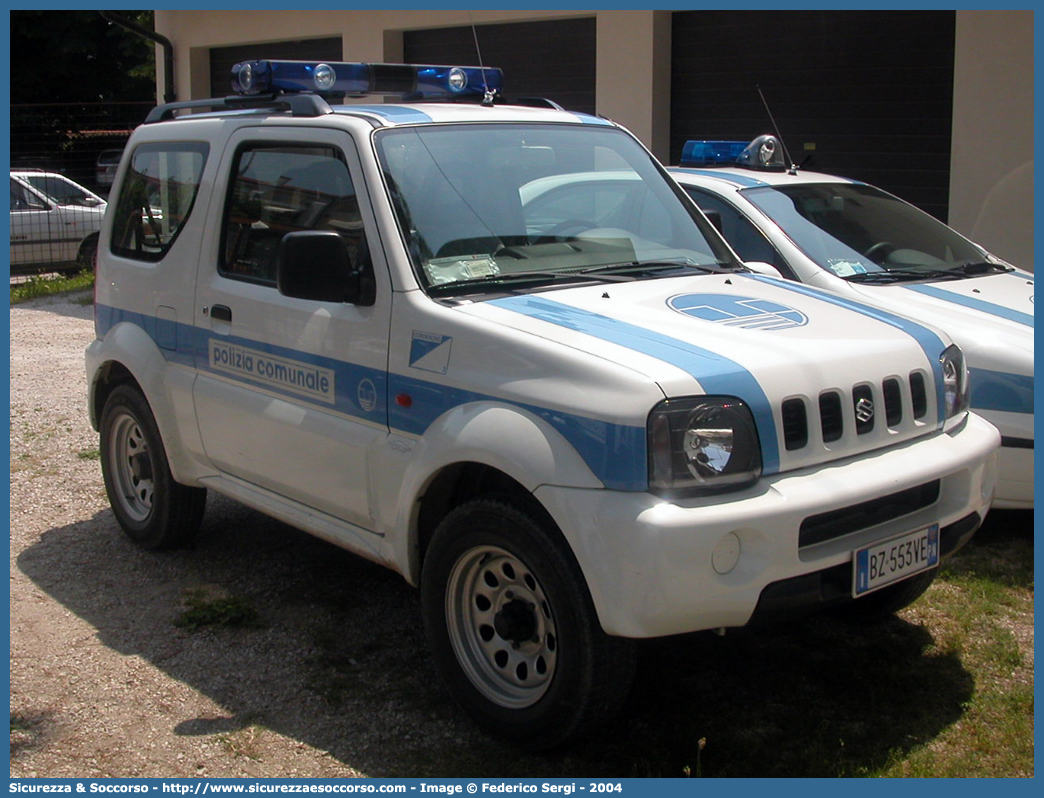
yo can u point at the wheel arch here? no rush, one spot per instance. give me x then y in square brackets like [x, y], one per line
[129, 356]
[483, 450]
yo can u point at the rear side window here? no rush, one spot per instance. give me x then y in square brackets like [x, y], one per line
[24, 200]
[156, 198]
[279, 189]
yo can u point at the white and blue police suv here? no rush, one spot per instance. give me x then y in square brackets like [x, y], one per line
[573, 422]
[865, 244]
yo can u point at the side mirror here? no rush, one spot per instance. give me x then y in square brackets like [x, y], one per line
[316, 265]
[766, 269]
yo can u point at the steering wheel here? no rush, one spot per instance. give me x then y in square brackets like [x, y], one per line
[877, 249]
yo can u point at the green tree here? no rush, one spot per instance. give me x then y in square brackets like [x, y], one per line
[76, 56]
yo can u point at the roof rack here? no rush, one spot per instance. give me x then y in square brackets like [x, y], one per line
[297, 104]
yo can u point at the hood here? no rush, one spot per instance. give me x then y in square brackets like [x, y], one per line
[990, 318]
[995, 305]
[759, 339]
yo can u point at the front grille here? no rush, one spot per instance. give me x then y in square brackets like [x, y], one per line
[837, 523]
[919, 395]
[856, 411]
[830, 416]
[795, 424]
[893, 398]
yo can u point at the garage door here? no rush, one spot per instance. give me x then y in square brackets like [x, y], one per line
[863, 94]
[553, 59]
[222, 58]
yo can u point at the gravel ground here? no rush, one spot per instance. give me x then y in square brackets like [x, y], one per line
[333, 678]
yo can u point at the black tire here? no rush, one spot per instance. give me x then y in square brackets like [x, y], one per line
[85, 258]
[154, 510]
[513, 630]
[889, 600]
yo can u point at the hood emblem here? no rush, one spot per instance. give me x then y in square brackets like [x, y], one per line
[748, 313]
[864, 410]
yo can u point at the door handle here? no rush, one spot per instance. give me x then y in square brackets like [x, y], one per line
[221, 313]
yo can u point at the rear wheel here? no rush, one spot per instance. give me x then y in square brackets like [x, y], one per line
[85, 259]
[153, 509]
[513, 629]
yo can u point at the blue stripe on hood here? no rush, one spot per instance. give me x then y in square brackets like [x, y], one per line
[930, 343]
[717, 374]
[971, 302]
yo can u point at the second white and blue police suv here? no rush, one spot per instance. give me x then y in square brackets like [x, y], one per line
[865, 244]
[494, 348]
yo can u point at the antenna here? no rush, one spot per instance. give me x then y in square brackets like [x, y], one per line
[488, 98]
[793, 166]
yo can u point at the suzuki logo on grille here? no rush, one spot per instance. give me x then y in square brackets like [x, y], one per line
[864, 410]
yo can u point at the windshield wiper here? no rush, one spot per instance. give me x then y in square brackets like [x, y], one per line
[901, 275]
[658, 266]
[975, 267]
[516, 278]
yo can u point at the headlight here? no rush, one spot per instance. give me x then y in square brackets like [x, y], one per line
[955, 381]
[698, 445]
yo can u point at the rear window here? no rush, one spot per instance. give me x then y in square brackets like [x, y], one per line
[156, 198]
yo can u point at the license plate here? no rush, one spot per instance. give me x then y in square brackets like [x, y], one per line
[883, 563]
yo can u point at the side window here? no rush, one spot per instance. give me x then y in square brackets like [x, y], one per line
[278, 189]
[24, 200]
[749, 242]
[156, 198]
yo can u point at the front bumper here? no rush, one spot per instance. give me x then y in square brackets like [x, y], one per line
[658, 568]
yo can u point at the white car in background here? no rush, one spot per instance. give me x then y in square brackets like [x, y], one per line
[54, 223]
[860, 242]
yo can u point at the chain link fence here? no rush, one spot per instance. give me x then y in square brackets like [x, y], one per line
[68, 138]
[63, 159]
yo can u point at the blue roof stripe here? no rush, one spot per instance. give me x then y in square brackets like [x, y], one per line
[587, 119]
[972, 302]
[718, 375]
[393, 113]
[739, 180]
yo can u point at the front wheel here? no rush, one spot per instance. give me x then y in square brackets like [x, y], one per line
[513, 629]
[153, 509]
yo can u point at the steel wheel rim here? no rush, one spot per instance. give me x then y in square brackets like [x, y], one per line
[501, 627]
[130, 463]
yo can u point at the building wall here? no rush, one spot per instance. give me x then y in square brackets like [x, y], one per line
[991, 178]
[991, 174]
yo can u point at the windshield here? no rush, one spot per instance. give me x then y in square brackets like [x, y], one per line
[495, 204]
[858, 231]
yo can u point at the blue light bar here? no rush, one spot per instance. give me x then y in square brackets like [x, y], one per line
[764, 153]
[338, 77]
[711, 153]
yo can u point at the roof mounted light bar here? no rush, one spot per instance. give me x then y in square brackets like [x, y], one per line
[338, 77]
[764, 153]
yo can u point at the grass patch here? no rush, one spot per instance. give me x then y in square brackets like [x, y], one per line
[243, 742]
[89, 454]
[203, 609]
[40, 285]
[944, 689]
